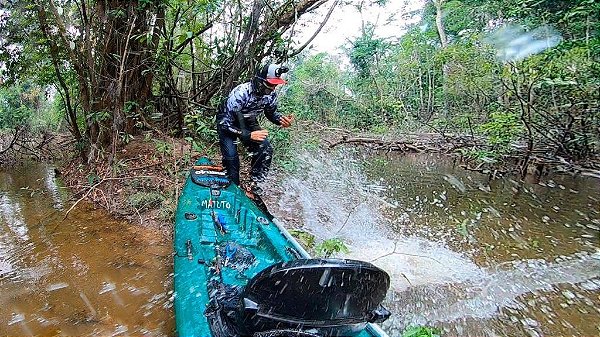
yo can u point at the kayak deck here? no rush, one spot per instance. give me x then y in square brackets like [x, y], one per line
[220, 234]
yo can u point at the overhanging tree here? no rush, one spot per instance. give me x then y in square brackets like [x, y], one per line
[115, 49]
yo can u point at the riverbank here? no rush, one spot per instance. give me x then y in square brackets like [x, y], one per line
[143, 183]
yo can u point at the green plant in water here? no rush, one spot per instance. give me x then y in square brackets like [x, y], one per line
[331, 246]
[305, 238]
[421, 331]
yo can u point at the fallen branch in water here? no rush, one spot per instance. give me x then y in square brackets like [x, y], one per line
[84, 196]
[12, 142]
[380, 144]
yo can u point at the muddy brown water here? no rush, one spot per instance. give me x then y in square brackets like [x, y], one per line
[473, 256]
[84, 275]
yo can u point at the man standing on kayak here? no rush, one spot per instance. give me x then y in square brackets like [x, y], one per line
[237, 118]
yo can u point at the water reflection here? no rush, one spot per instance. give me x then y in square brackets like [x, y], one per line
[473, 255]
[84, 275]
[10, 214]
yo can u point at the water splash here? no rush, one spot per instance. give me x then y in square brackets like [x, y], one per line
[432, 283]
[514, 43]
[337, 200]
[482, 298]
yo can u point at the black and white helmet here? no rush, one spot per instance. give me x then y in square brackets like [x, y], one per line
[271, 74]
[268, 77]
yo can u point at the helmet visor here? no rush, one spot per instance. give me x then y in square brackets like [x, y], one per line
[275, 81]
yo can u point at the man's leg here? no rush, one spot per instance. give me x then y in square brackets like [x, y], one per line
[261, 153]
[231, 159]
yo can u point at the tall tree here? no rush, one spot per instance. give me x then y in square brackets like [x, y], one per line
[106, 55]
[110, 45]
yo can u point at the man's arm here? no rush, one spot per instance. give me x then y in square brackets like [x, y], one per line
[271, 112]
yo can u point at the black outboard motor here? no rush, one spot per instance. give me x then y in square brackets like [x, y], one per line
[323, 297]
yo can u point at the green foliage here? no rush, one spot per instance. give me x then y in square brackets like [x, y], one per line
[200, 127]
[25, 104]
[421, 331]
[145, 200]
[119, 167]
[545, 98]
[328, 247]
[311, 142]
[305, 238]
[167, 210]
[481, 155]
[125, 137]
[316, 91]
[282, 147]
[162, 147]
[390, 85]
[502, 128]
[93, 179]
[364, 51]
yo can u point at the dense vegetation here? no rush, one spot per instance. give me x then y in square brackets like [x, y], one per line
[120, 67]
[518, 77]
[519, 74]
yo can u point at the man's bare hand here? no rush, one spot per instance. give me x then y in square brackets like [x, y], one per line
[259, 135]
[286, 121]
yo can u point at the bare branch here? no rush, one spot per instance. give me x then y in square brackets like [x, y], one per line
[301, 48]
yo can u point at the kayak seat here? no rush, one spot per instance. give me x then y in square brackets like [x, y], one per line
[325, 297]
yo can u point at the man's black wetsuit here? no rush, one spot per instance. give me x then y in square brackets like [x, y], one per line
[237, 118]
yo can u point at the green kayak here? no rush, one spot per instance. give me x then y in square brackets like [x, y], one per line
[238, 272]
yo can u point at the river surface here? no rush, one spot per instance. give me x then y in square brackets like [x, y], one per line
[473, 256]
[85, 274]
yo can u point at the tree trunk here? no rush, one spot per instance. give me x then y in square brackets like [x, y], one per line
[112, 61]
[439, 23]
[124, 79]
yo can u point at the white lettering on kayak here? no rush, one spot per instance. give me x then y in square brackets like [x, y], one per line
[222, 204]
